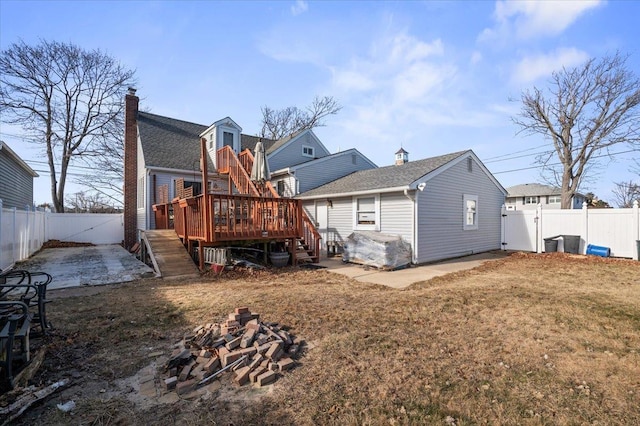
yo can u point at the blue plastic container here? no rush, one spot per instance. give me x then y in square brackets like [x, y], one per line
[598, 250]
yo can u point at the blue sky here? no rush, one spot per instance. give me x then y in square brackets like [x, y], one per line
[434, 77]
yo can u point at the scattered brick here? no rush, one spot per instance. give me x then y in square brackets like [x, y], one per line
[266, 378]
[260, 345]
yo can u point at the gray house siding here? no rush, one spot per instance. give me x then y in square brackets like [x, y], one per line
[16, 184]
[440, 218]
[396, 216]
[291, 153]
[321, 172]
[340, 219]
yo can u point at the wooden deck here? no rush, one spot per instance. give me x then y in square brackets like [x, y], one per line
[169, 257]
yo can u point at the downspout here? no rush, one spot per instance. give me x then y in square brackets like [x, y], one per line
[414, 242]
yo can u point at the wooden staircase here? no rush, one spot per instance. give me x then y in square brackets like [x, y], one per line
[239, 169]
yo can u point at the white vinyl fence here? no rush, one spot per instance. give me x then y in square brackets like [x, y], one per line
[22, 232]
[617, 229]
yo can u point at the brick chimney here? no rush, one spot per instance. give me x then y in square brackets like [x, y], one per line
[130, 168]
[402, 157]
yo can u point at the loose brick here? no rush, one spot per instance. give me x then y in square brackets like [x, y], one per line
[234, 317]
[275, 351]
[202, 360]
[242, 375]
[212, 365]
[247, 338]
[266, 378]
[248, 351]
[262, 348]
[170, 383]
[242, 310]
[186, 387]
[205, 353]
[286, 364]
[232, 344]
[257, 359]
[253, 376]
[230, 357]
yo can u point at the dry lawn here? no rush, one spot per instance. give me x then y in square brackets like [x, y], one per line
[530, 339]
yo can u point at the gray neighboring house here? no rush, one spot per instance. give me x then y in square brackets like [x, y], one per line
[16, 180]
[527, 196]
[445, 206]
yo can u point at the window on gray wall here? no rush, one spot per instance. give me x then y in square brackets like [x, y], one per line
[227, 139]
[280, 186]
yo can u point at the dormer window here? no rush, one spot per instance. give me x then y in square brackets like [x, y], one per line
[227, 139]
[307, 151]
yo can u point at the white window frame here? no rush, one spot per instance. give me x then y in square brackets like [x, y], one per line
[557, 199]
[306, 154]
[366, 227]
[465, 214]
[531, 199]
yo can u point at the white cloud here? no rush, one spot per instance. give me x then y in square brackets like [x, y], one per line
[529, 19]
[476, 57]
[300, 6]
[531, 68]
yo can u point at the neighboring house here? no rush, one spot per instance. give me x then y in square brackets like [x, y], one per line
[160, 150]
[444, 206]
[16, 180]
[529, 195]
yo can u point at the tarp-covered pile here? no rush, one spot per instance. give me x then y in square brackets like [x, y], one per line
[376, 249]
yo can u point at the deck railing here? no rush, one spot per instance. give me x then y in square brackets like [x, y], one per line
[238, 217]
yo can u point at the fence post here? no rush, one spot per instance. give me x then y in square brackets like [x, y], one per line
[15, 236]
[636, 226]
[503, 218]
[539, 224]
[585, 226]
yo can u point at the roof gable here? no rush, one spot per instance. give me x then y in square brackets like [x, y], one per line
[16, 158]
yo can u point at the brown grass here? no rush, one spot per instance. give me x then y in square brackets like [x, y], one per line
[530, 339]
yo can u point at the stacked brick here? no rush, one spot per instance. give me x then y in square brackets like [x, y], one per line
[255, 352]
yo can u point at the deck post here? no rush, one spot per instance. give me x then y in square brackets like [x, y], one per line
[206, 211]
[201, 255]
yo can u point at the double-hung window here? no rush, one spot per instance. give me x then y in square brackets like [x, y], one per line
[366, 212]
[531, 200]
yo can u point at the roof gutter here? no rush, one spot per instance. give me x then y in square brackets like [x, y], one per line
[352, 193]
[169, 170]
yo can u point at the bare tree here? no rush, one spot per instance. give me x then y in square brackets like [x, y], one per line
[586, 111]
[84, 202]
[625, 193]
[277, 124]
[67, 98]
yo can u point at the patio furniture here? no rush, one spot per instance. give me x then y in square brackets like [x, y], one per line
[29, 288]
[15, 325]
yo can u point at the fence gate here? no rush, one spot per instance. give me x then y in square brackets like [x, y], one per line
[519, 230]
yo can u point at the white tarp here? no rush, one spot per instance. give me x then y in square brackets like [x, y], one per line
[376, 249]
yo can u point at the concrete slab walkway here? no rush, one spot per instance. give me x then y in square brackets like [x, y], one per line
[403, 278]
[93, 265]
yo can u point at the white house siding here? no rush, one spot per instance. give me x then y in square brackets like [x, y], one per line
[141, 217]
[310, 208]
[340, 219]
[289, 184]
[396, 216]
[518, 202]
[321, 172]
[440, 214]
[291, 154]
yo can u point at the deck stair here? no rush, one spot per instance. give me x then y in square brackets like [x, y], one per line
[239, 170]
[169, 257]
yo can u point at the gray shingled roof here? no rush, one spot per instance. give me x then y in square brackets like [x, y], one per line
[175, 144]
[383, 177]
[532, 189]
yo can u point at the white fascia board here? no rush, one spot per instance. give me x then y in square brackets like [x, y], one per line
[17, 159]
[452, 163]
[285, 171]
[179, 171]
[330, 157]
[354, 193]
[226, 121]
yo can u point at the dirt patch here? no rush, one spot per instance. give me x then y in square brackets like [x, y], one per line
[64, 244]
[536, 339]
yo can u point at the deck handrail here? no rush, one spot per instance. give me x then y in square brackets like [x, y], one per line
[228, 162]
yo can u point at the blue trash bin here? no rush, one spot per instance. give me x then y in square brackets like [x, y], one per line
[598, 250]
